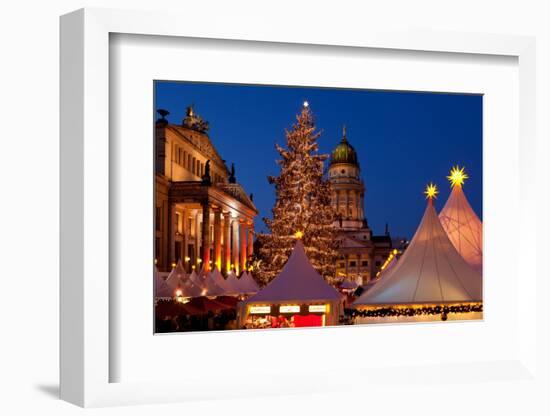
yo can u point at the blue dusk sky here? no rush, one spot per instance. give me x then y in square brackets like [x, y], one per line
[403, 140]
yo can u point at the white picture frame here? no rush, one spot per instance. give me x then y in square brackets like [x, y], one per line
[85, 183]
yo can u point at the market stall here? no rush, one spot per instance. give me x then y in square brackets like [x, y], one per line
[297, 296]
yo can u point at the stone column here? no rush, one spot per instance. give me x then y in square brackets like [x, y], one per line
[217, 239]
[227, 240]
[347, 204]
[235, 248]
[185, 242]
[197, 239]
[251, 239]
[205, 235]
[171, 233]
[242, 240]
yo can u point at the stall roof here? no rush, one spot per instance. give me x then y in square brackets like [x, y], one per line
[297, 282]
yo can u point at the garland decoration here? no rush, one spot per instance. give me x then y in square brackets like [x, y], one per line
[396, 311]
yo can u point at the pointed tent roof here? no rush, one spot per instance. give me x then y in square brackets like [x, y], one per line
[463, 227]
[430, 271]
[176, 276]
[178, 279]
[212, 287]
[233, 284]
[248, 284]
[297, 282]
[219, 279]
[162, 290]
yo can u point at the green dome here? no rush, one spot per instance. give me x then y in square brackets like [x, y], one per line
[344, 153]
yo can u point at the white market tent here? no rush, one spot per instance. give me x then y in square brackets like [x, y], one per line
[463, 226]
[212, 287]
[178, 280]
[233, 284]
[162, 290]
[219, 280]
[248, 284]
[430, 271]
[348, 285]
[297, 283]
[176, 276]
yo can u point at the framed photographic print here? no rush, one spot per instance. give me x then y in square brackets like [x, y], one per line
[263, 205]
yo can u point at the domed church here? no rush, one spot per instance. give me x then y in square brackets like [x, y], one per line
[361, 254]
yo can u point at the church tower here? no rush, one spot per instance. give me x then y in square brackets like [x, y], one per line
[348, 190]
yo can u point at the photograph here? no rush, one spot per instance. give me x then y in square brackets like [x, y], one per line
[303, 206]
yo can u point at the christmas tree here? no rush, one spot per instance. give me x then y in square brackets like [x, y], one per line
[303, 204]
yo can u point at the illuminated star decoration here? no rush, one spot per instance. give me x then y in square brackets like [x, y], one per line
[431, 191]
[306, 104]
[457, 176]
[298, 235]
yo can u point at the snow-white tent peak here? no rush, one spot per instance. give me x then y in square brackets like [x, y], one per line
[162, 290]
[248, 284]
[463, 227]
[430, 271]
[179, 280]
[298, 281]
[233, 284]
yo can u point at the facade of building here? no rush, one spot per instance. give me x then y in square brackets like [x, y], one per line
[203, 217]
[361, 254]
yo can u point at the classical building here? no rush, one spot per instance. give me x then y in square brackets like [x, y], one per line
[202, 215]
[361, 254]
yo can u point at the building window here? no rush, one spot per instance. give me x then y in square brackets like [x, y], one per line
[188, 162]
[378, 263]
[158, 219]
[193, 166]
[341, 265]
[365, 263]
[352, 263]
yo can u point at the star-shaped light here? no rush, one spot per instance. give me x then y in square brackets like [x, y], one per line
[306, 104]
[298, 235]
[457, 176]
[431, 191]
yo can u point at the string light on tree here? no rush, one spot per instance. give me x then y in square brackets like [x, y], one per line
[303, 208]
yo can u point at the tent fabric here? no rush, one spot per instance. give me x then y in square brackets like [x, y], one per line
[233, 284]
[178, 279]
[212, 287]
[219, 280]
[247, 284]
[176, 276]
[463, 227]
[162, 290]
[297, 282]
[348, 285]
[430, 271]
